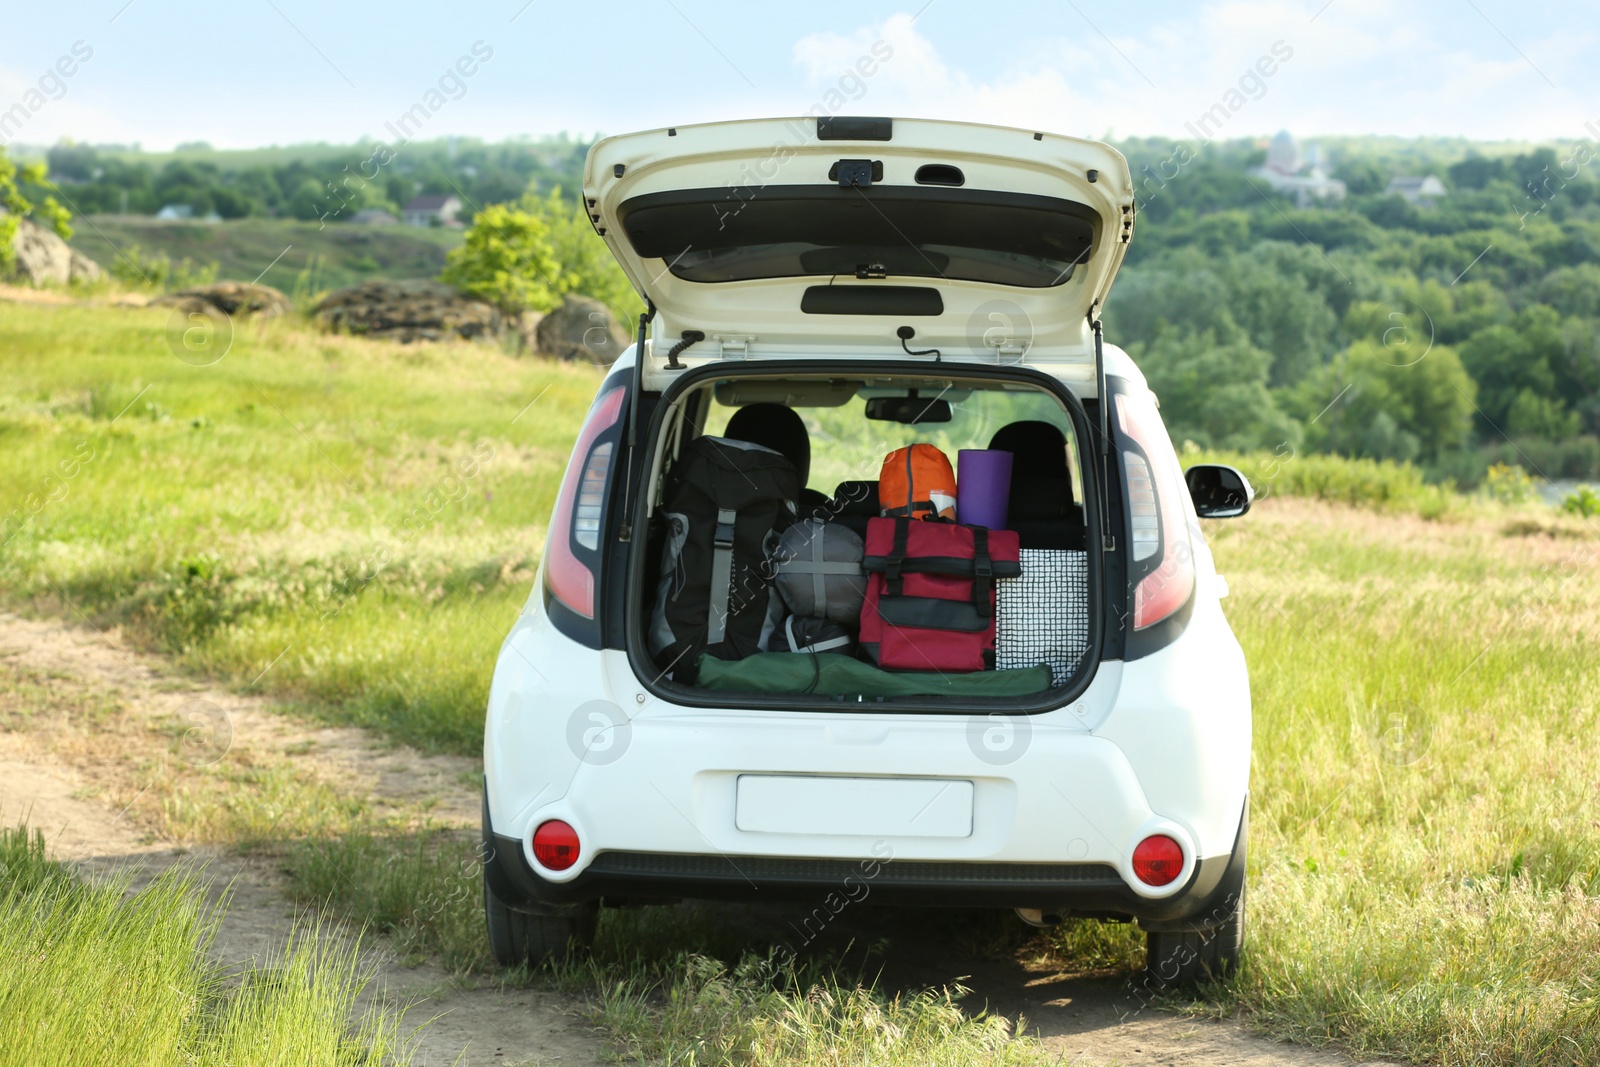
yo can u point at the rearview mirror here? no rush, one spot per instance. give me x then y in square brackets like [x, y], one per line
[1219, 492]
[909, 410]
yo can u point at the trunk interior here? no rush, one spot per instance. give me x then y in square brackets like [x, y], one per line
[832, 602]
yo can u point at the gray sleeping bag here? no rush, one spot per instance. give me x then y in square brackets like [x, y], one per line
[818, 571]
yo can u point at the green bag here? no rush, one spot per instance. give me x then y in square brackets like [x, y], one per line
[832, 674]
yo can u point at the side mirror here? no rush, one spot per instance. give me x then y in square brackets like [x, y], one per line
[1219, 492]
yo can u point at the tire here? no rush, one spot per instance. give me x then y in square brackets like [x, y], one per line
[1182, 959]
[518, 937]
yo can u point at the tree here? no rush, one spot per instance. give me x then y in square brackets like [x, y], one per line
[1183, 291]
[529, 255]
[1371, 403]
[587, 265]
[1532, 353]
[1573, 290]
[1532, 415]
[1475, 171]
[1283, 316]
[15, 206]
[1215, 392]
[400, 189]
[1362, 177]
[508, 259]
[1237, 298]
[308, 200]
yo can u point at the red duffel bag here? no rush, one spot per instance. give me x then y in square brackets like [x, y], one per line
[930, 593]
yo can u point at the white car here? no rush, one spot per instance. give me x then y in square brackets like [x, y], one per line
[852, 284]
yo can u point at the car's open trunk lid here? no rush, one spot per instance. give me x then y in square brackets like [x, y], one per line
[821, 238]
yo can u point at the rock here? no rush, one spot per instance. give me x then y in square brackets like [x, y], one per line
[42, 257]
[409, 311]
[232, 298]
[582, 328]
[84, 269]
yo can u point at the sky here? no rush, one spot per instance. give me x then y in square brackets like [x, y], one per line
[259, 72]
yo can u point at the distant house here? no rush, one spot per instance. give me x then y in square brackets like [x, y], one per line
[1419, 191]
[1301, 175]
[175, 211]
[375, 216]
[439, 209]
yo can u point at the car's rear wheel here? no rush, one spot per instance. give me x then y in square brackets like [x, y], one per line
[1176, 959]
[520, 937]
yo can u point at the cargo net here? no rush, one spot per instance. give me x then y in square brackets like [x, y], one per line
[1043, 616]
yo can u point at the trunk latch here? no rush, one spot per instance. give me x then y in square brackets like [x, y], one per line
[860, 173]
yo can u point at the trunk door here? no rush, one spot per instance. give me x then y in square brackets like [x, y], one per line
[823, 238]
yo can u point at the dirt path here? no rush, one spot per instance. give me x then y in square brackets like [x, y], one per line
[75, 772]
[93, 816]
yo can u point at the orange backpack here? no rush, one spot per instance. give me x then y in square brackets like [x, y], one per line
[917, 481]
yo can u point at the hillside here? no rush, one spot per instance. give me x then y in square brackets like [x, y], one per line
[339, 255]
[1433, 301]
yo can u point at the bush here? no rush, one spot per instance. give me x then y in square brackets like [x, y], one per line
[132, 267]
[14, 205]
[1508, 484]
[1382, 485]
[509, 260]
[1585, 503]
[527, 256]
[587, 266]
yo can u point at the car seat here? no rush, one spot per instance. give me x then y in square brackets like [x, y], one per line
[781, 429]
[1042, 510]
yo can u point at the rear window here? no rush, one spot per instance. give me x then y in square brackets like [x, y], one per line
[714, 235]
[846, 445]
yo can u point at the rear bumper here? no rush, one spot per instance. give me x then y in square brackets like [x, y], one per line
[1079, 889]
[1059, 799]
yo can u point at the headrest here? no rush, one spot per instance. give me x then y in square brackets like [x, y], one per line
[856, 498]
[778, 428]
[1038, 449]
[1039, 498]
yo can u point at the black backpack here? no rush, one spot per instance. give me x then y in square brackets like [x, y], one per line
[725, 502]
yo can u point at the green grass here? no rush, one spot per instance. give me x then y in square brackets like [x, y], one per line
[347, 524]
[1425, 857]
[341, 253]
[756, 1014]
[1425, 865]
[670, 985]
[422, 889]
[94, 975]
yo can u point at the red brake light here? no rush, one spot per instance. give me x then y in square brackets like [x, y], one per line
[578, 508]
[1157, 860]
[1158, 530]
[555, 845]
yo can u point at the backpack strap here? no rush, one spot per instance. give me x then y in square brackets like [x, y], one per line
[721, 576]
[819, 586]
[912, 503]
[827, 645]
[897, 556]
[982, 573]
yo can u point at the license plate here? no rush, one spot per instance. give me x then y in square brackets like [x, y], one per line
[854, 807]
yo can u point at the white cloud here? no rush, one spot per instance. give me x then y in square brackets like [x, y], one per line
[1361, 67]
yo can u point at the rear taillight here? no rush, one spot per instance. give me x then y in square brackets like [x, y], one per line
[580, 510]
[555, 845]
[591, 495]
[1161, 567]
[1157, 860]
